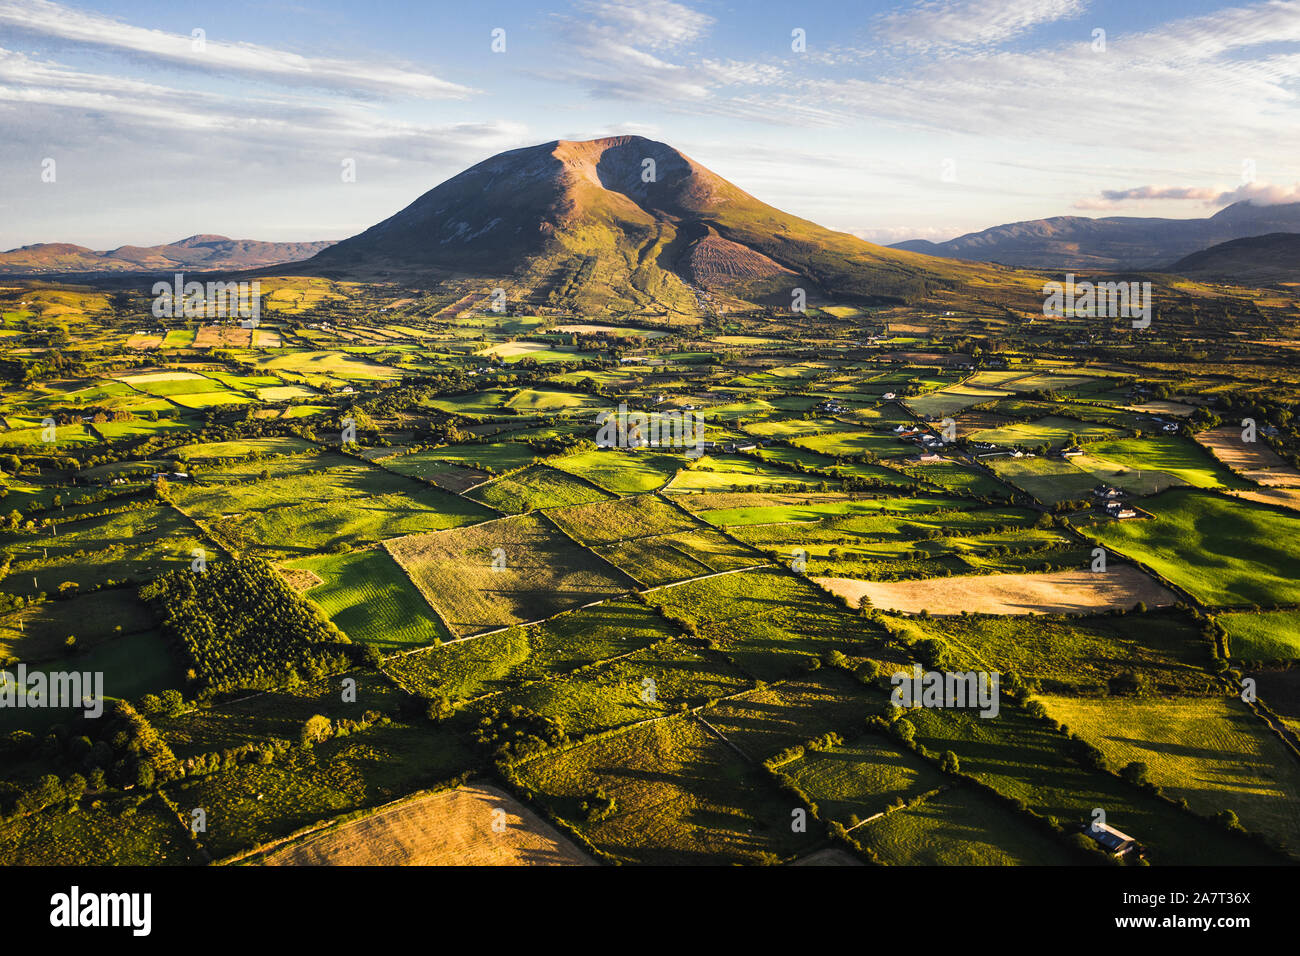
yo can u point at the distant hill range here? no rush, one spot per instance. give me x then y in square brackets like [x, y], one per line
[197, 253]
[1257, 259]
[1114, 242]
[625, 224]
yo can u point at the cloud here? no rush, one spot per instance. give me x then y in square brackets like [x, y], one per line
[888, 235]
[36, 96]
[1161, 192]
[938, 25]
[658, 24]
[640, 51]
[1156, 91]
[45, 18]
[1259, 194]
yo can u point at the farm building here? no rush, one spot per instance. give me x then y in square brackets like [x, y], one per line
[1112, 840]
[1117, 509]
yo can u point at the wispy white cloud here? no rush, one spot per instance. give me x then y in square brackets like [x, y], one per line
[45, 18]
[36, 94]
[657, 24]
[641, 51]
[938, 25]
[1159, 90]
[1161, 192]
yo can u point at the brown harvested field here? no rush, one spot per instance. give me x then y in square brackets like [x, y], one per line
[1055, 592]
[222, 336]
[1282, 497]
[144, 341]
[454, 828]
[266, 339]
[539, 572]
[1253, 460]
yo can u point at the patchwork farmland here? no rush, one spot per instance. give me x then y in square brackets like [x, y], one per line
[364, 592]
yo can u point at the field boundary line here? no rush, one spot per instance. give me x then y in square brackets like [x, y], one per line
[705, 577]
[723, 737]
[915, 802]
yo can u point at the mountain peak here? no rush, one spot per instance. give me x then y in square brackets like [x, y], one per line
[621, 223]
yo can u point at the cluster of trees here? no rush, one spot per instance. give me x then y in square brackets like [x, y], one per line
[121, 749]
[517, 732]
[53, 364]
[318, 728]
[598, 805]
[48, 790]
[242, 626]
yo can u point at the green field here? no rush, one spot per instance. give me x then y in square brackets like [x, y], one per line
[680, 794]
[841, 444]
[1181, 459]
[1025, 759]
[860, 778]
[1268, 636]
[1224, 551]
[371, 600]
[622, 472]
[960, 828]
[499, 662]
[1052, 430]
[1212, 751]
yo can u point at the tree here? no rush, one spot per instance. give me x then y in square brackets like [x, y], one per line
[439, 708]
[74, 787]
[47, 791]
[904, 731]
[1229, 820]
[948, 763]
[314, 730]
[1135, 772]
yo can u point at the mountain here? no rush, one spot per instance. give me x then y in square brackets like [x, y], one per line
[624, 223]
[1114, 242]
[1260, 259]
[198, 253]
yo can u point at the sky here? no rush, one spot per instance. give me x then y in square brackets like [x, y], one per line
[144, 121]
